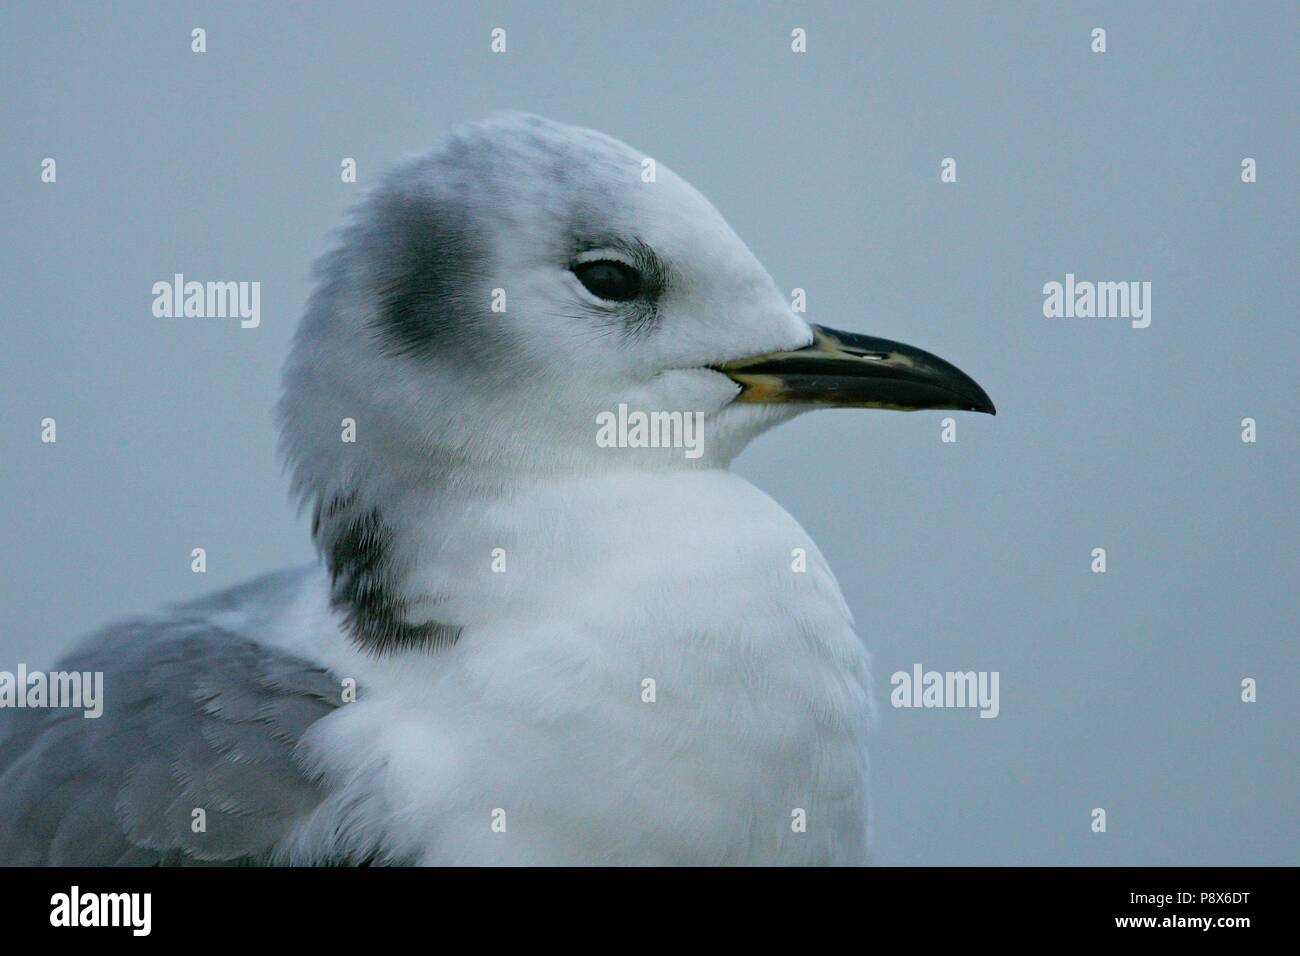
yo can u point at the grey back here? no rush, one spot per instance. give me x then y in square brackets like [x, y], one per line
[195, 717]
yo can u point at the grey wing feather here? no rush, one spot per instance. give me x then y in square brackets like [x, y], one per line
[194, 717]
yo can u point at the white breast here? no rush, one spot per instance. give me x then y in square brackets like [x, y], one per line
[533, 740]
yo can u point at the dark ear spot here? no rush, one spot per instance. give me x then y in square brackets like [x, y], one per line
[428, 266]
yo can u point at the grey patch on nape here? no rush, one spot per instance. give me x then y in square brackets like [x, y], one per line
[427, 264]
[358, 549]
[325, 515]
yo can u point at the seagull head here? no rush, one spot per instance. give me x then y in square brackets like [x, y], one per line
[489, 300]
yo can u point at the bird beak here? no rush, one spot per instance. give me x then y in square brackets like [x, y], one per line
[857, 371]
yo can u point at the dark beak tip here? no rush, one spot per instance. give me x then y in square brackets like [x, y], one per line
[980, 402]
[975, 400]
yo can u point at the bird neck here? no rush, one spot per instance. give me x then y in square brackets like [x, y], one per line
[411, 569]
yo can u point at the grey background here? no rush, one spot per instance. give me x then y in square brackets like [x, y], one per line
[1118, 690]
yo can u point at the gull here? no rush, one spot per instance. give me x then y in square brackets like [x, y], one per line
[520, 645]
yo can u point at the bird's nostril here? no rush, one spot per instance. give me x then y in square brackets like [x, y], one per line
[869, 356]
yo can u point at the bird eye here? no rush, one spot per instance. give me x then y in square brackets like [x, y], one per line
[609, 279]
